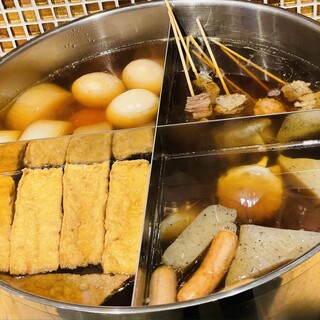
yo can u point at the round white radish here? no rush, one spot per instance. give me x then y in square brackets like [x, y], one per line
[133, 108]
[143, 74]
[97, 89]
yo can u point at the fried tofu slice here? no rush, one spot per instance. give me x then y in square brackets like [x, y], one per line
[85, 191]
[46, 152]
[11, 156]
[91, 148]
[7, 195]
[127, 143]
[90, 289]
[36, 226]
[124, 216]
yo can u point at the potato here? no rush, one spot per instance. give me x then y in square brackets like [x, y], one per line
[9, 135]
[97, 89]
[42, 101]
[133, 108]
[174, 223]
[143, 74]
[46, 129]
[299, 126]
[185, 250]
[263, 249]
[93, 128]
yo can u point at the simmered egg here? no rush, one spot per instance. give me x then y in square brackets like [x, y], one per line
[133, 108]
[143, 74]
[97, 89]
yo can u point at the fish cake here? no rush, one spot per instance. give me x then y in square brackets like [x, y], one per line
[7, 194]
[124, 216]
[127, 143]
[37, 221]
[89, 289]
[89, 148]
[85, 191]
[46, 152]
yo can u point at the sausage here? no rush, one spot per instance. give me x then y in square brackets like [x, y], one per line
[213, 267]
[163, 286]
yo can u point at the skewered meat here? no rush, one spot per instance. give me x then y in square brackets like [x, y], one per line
[267, 106]
[294, 90]
[230, 104]
[199, 105]
[205, 84]
[309, 101]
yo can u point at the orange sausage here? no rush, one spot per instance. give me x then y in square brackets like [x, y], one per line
[213, 267]
[163, 286]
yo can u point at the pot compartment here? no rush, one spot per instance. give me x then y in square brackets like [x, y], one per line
[180, 148]
[186, 181]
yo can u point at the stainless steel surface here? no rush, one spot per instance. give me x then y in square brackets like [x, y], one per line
[289, 292]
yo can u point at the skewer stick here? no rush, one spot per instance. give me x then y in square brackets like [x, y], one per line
[175, 23]
[203, 59]
[212, 57]
[185, 69]
[249, 62]
[230, 83]
[195, 43]
[188, 48]
[252, 75]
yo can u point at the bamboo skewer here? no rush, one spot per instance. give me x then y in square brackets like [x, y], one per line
[185, 69]
[249, 62]
[231, 83]
[212, 57]
[194, 42]
[175, 25]
[252, 75]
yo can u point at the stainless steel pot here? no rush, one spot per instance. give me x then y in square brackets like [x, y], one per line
[291, 292]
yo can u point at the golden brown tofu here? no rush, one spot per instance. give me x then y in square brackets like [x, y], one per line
[11, 156]
[131, 142]
[124, 215]
[85, 191]
[89, 148]
[7, 194]
[47, 152]
[90, 289]
[37, 222]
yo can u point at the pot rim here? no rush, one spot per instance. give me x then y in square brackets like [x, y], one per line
[168, 307]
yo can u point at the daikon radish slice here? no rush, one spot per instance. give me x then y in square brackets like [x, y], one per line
[9, 135]
[143, 74]
[97, 89]
[42, 101]
[133, 108]
[193, 241]
[94, 128]
[46, 129]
